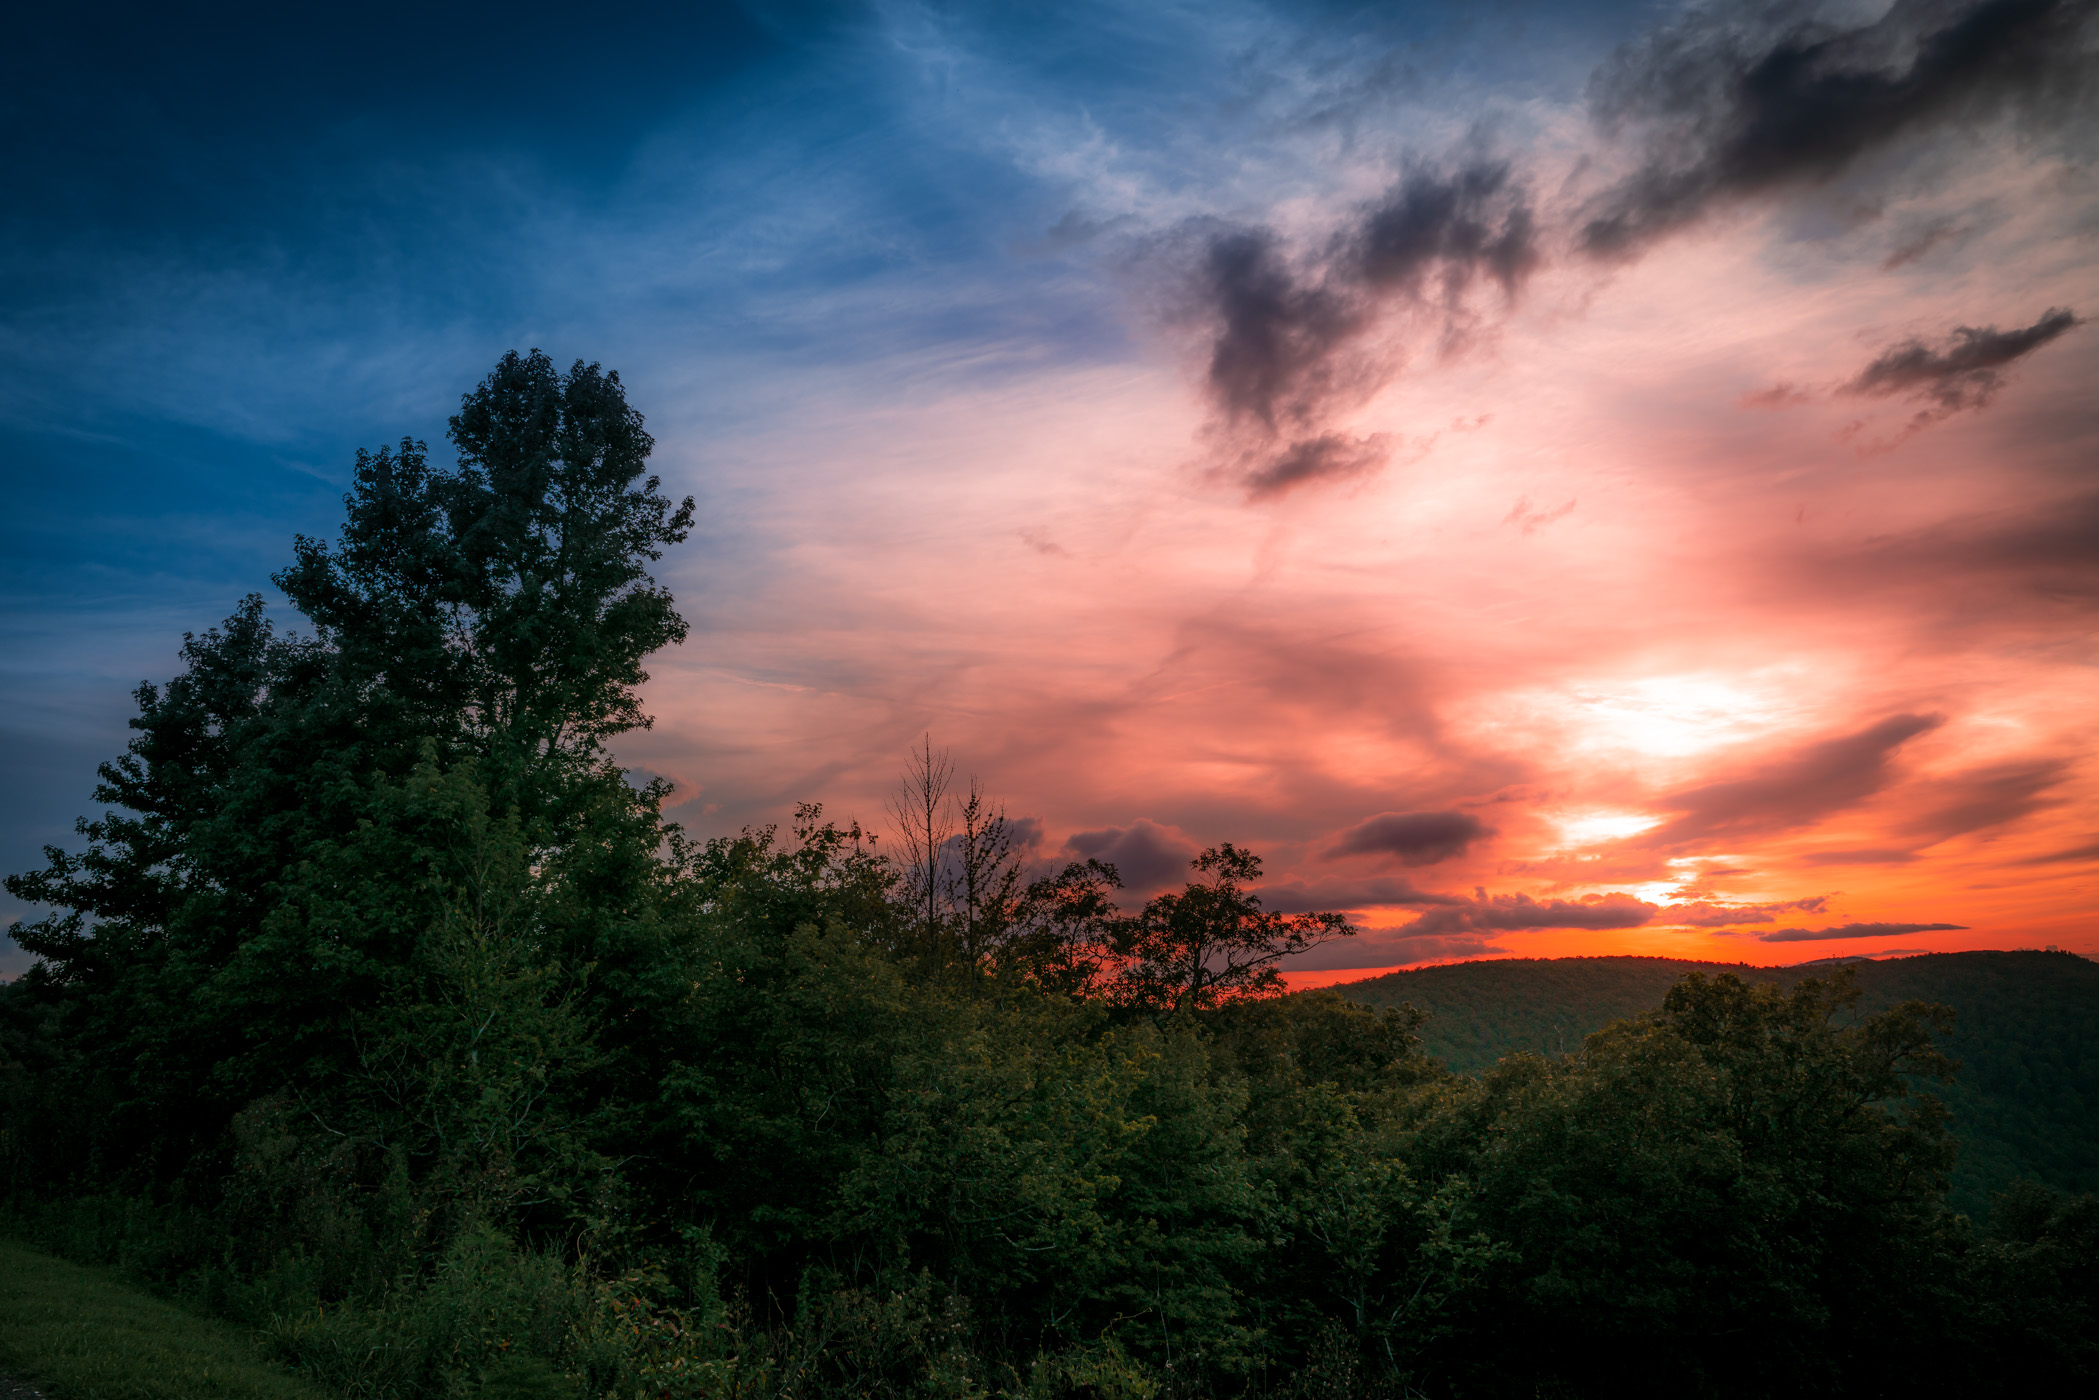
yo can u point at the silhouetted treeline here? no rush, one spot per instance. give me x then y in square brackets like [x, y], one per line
[382, 1011]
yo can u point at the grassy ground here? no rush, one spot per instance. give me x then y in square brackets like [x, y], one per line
[79, 1334]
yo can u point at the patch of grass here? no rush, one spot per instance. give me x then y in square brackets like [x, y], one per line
[80, 1334]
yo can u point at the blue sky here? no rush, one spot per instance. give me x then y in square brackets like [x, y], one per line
[239, 246]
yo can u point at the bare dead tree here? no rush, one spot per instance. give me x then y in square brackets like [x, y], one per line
[920, 810]
[960, 868]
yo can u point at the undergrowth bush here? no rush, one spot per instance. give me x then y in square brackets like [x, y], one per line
[489, 1310]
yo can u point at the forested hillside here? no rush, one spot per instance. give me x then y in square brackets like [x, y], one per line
[2025, 1102]
[380, 1012]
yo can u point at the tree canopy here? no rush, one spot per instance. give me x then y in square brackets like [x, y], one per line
[381, 1010]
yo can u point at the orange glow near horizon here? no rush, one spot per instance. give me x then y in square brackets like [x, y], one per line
[1703, 678]
[1543, 488]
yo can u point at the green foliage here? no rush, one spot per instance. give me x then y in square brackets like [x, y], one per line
[2025, 1103]
[1478, 1012]
[278, 849]
[381, 1014]
[488, 1320]
[509, 596]
[1729, 1156]
[82, 1335]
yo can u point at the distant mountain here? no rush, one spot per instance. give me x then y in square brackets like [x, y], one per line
[2026, 1103]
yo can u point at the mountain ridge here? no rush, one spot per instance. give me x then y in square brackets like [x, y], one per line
[2025, 1102]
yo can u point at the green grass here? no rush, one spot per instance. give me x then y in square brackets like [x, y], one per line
[80, 1334]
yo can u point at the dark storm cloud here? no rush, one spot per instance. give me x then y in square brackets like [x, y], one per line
[1024, 842]
[1024, 832]
[1816, 935]
[1792, 791]
[1963, 373]
[1722, 107]
[1427, 947]
[1411, 838]
[1966, 371]
[1150, 856]
[1287, 348]
[1278, 332]
[1487, 913]
[1145, 854]
[1328, 457]
[1729, 108]
[1434, 235]
[1305, 896]
[1023, 836]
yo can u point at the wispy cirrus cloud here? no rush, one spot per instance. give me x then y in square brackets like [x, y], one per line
[1790, 790]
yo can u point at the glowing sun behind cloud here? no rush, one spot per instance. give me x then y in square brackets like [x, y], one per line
[1531, 509]
[1592, 827]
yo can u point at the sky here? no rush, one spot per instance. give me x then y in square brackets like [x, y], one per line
[1550, 478]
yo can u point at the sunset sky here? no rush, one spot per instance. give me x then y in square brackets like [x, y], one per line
[1551, 478]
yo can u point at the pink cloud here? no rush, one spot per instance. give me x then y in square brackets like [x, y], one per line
[1797, 666]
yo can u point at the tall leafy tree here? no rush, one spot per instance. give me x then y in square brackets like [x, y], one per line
[506, 604]
[1062, 929]
[1195, 948]
[214, 938]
